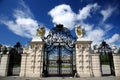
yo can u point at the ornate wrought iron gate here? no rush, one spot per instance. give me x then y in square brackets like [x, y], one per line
[59, 52]
[106, 59]
[14, 60]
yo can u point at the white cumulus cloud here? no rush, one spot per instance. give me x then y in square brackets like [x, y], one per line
[63, 14]
[108, 27]
[114, 38]
[107, 13]
[85, 12]
[96, 35]
[25, 27]
[24, 23]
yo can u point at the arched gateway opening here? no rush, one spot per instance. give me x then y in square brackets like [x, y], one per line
[59, 53]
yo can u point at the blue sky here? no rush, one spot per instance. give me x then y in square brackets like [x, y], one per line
[19, 18]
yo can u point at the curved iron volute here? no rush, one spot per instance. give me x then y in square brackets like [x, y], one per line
[104, 48]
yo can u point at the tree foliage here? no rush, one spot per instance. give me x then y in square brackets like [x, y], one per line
[0, 47]
[118, 51]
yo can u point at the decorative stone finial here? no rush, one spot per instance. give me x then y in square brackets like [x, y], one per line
[41, 31]
[79, 31]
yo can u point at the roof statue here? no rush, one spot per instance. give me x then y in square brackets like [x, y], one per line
[41, 31]
[79, 31]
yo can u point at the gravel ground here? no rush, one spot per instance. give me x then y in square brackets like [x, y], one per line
[60, 78]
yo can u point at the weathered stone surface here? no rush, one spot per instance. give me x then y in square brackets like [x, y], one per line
[96, 65]
[4, 64]
[116, 60]
[83, 58]
[32, 60]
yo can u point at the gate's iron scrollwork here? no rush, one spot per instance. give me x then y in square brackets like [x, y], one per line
[106, 57]
[59, 52]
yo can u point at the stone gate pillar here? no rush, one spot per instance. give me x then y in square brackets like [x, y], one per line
[83, 58]
[116, 60]
[32, 59]
[37, 58]
[4, 64]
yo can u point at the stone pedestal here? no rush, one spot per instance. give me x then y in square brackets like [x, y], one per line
[116, 60]
[4, 64]
[96, 65]
[32, 60]
[83, 58]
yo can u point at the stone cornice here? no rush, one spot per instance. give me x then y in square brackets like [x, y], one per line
[37, 42]
[83, 42]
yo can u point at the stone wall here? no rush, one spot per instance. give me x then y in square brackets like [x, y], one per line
[96, 65]
[116, 60]
[4, 64]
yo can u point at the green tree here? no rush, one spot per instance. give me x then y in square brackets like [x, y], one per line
[18, 47]
[0, 47]
[118, 51]
[15, 57]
